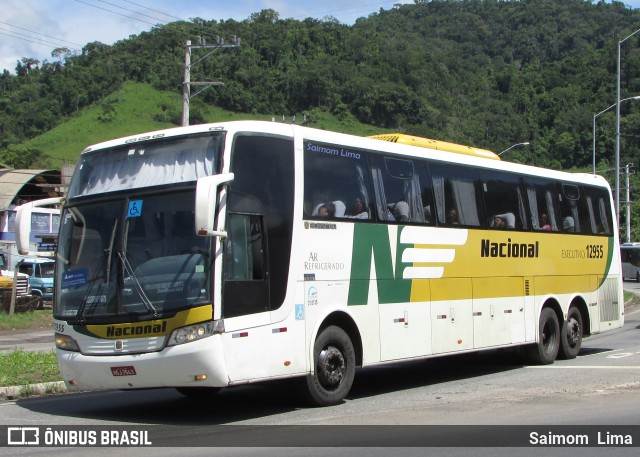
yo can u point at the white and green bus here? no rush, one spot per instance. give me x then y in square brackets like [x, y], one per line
[223, 254]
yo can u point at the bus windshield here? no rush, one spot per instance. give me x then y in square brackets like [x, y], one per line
[131, 256]
[146, 164]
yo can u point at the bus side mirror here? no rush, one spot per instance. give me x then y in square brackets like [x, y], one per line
[206, 204]
[23, 221]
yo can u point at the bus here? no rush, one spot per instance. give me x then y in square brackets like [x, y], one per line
[630, 256]
[223, 254]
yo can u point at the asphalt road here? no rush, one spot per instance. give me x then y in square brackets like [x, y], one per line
[391, 409]
[27, 340]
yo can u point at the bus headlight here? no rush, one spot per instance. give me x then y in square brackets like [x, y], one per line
[191, 333]
[66, 343]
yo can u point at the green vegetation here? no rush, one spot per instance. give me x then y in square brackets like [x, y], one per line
[485, 73]
[20, 368]
[136, 108]
[41, 319]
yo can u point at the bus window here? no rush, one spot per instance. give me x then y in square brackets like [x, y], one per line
[335, 183]
[543, 207]
[245, 248]
[573, 209]
[426, 193]
[599, 210]
[457, 195]
[503, 200]
[397, 190]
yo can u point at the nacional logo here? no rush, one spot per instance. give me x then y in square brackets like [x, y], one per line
[509, 249]
[136, 330]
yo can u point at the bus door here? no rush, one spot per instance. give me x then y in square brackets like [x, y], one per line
[256, 253]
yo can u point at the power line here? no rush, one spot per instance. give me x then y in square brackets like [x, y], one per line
[41, 41]
[38, 33]
[131, 11]
[156, 11]
[115, 12]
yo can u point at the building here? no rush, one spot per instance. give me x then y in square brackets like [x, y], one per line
[21, 186]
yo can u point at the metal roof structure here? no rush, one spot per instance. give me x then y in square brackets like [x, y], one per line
[21, 186]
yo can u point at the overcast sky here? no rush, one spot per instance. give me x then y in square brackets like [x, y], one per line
[33, 28]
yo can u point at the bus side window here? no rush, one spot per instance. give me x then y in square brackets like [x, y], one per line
[335, 185]
[456, 190]
[397, 190]
[426, 193]
[598, 206]
[543, 206]
[504, 200]
[244, 248]
[573, 207]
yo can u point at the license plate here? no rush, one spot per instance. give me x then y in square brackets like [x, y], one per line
[123, 371]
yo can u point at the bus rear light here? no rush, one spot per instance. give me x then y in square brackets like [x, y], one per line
[200, 377]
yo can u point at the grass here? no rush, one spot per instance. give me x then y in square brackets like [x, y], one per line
[41, 319]
[138, 107]
[19, 368]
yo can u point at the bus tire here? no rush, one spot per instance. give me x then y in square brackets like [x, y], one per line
[201, 393]
[571, 335]
[334, 360]
[546, 349]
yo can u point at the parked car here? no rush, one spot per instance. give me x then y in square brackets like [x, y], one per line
[40, 273]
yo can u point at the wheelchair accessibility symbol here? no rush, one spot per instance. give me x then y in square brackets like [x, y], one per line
[135, 208]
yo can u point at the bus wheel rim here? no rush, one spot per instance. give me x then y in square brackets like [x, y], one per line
[331, 366]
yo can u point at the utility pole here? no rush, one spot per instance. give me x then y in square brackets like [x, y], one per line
[630, 169]
[187, 83]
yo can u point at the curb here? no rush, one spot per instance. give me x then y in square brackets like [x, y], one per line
[30, 390]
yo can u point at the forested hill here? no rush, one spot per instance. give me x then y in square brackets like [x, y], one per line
[485, 73]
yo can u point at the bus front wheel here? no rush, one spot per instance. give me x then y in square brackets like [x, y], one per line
[571, 335]
[546, 349]
[334, 361]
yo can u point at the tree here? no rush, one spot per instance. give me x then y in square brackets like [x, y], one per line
[20, 157]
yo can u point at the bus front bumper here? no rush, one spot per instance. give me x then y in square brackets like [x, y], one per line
[196, 364]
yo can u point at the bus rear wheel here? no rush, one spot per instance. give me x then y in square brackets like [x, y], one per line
[546, 349]
[571, 335]
[334, 361]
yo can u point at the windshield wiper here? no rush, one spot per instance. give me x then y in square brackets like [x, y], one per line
[80, 314]
[107, 274]
[109, 253]
[145, 300]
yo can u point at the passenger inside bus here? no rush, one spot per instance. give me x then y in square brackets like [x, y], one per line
[358, 210]
[568, 224]
[503, 221]
[452, 216]
[544, 222]
[399, 210]
[330, 209]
